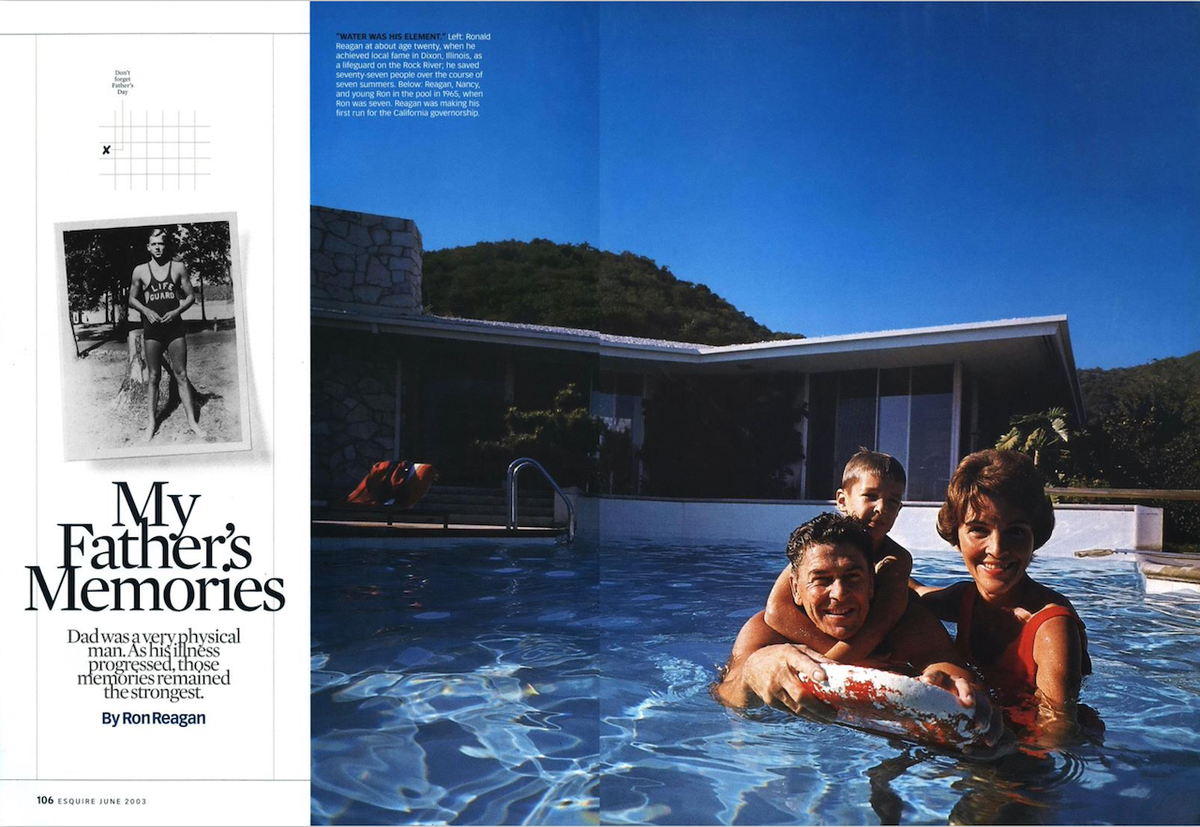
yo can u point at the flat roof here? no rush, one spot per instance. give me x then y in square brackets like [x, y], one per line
[1008, 350]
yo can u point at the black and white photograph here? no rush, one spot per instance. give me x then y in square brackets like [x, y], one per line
[153, 362]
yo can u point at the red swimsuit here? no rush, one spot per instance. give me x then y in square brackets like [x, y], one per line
[1014, 673]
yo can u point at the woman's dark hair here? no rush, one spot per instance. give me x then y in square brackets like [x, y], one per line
[996, 475]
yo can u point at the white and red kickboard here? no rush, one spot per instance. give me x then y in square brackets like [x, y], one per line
[894, 704]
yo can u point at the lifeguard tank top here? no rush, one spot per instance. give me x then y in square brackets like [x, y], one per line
[161, 296]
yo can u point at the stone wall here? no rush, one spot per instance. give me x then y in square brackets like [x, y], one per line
[353, 408]
[362, 261]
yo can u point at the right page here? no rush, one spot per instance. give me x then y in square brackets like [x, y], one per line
[608, 299]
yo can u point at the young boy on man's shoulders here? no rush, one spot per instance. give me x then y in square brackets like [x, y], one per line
[872, 490]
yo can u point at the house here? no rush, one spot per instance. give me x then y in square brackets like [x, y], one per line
[389, 380]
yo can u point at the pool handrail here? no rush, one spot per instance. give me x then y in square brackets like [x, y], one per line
[510, 486]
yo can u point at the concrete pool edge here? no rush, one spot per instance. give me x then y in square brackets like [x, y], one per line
[1082, 531]
[611, 518]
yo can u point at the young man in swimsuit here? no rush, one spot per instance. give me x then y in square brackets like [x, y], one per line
[872, 490]
[155, 291]
[831, 581]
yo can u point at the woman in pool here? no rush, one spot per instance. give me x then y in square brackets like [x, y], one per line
[155, 292]
[1025, 639]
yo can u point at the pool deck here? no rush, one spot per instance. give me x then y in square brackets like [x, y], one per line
[338, 533]
[1164, 571]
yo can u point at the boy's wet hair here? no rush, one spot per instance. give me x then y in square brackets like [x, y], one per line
[831, 529]
[1000, 475]
[866, 461]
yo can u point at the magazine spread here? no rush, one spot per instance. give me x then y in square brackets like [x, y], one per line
[155, 605]
[507, 412]
[718, 270]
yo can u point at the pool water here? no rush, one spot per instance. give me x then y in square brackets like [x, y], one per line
[455, 685]
[492, 685]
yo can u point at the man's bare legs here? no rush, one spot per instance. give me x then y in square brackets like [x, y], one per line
[153, 372]
[177, 350]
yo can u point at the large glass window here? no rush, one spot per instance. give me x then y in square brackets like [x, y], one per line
[822, 427]
[905, 412]
[855, 415]
[617, 401]
[929, 432]
[894, 410]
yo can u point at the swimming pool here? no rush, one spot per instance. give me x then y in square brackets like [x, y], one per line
[500, 685]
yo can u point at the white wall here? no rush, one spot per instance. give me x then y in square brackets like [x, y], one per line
[1077, 527]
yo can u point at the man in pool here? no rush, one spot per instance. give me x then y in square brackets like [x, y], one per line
[832, 582]
[872, 489]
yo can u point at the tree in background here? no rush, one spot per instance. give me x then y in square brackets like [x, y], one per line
[564, 439]
[577, 285]
[1143, 432]
[204, 247]
[1044, 436]
[98, 265]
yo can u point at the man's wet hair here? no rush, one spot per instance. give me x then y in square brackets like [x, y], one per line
[830, 529]
[866, 461]
[1009, 476]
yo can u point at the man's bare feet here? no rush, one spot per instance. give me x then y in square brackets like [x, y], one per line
[197, 430]
[148, 434]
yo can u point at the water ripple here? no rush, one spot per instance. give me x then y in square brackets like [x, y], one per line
[486, 686]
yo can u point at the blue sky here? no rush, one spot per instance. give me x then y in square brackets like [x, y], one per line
[826, 168]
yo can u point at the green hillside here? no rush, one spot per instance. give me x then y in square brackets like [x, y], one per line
[540, 282]
[1143, 431]
[1103, 390]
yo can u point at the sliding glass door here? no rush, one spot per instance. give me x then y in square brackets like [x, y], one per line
[905, 412]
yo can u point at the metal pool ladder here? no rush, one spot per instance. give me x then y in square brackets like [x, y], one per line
[510, 486]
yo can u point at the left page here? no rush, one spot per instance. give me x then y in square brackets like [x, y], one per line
[154, 605]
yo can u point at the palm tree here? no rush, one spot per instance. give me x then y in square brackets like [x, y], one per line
[1042, 435]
